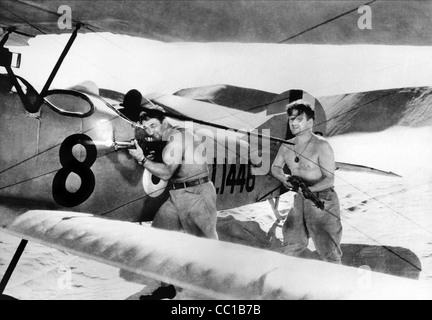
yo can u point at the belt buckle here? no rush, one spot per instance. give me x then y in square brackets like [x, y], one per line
[183, 185]
[200, 181]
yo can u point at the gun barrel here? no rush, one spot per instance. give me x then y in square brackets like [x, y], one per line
[299, 184]
[311, 196]
[121, 145]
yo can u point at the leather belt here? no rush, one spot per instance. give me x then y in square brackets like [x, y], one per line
[193, 183]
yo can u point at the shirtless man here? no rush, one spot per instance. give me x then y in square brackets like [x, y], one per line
[311, 159]
[191, 207]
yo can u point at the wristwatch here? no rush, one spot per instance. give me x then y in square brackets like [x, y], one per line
[141, 162]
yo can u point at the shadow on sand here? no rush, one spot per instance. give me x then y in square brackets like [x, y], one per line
[395, 261]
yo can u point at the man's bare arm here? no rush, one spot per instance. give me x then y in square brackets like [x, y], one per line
[326, 161]
[172, 158]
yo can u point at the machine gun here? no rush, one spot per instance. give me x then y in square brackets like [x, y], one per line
[122, 145]
[152, 149]
[299, 184]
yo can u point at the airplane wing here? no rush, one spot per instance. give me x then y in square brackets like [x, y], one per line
[343, 166]
[224, 21]
[254, 108]
[214, 113]
[215, 269]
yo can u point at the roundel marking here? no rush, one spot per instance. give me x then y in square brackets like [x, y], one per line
[153, 186]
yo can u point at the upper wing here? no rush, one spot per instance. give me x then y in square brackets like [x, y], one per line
[231, 21]
[228, 116]
[216, 269]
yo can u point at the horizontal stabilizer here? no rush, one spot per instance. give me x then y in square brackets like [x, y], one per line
[215, 269]
[359, 168]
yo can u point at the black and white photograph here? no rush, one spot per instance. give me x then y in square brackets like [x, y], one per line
[192, 151]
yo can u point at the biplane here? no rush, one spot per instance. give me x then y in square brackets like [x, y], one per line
[65, 184]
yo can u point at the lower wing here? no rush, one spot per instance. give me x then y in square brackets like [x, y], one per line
[216, 269]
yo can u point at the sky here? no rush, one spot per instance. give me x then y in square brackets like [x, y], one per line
[122, 62]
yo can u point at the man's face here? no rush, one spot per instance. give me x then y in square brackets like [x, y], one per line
[299, 123]
[154, 129]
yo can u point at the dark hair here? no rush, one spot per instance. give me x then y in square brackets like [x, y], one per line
[302, 107]
[151, 113]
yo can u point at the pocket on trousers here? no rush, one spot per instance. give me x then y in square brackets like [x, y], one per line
[327, 196]
[193, 190]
